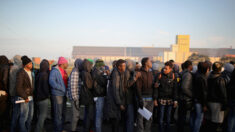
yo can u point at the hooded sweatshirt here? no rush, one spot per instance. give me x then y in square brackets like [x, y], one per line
[12, 74]
[87, 82]
[42, 87]
[56, 82]
[74, 79]
[4, 72]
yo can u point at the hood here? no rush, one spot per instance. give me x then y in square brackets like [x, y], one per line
[4, 60]
[130, 65]
[44, 66]
[78, 64]
[214, 74]
[176, 68]
[155, 66]
[228, 67]
[87, 65]
[17, 60]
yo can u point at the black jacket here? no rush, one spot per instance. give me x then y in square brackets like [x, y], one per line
[186, 86]
[167, 86]
[42, 87]
[200, 88]
[216, 88]
[24, 87]
[99, 83]
[145, 85]
[130, 86]
[86, 93]
[115, 95]
[231, 87]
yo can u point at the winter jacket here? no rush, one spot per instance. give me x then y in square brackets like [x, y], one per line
[200, 88]
[216, 88]
[74, 83]
[24, 87]
[115, 95]
[4, 71]
[12, 74]
[99, 83]
[167, 88]
[185, 91]
[42, 87]
[87, 83]
[56, 82]
[145, 85]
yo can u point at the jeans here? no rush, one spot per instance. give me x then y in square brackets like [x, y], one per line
[182, 113]
[26, 116]
[144, 125]
[59, 104]
[99, 105]
[129, 118]
[75, 115]
[15, 114]
[42, 107]
[89, 116]
[231, 117]
[196, 118]
[162, 110]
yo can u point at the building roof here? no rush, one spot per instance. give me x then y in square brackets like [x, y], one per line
[141, 51]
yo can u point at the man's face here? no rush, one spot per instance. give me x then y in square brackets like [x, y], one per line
[122, 67]
[29, 66]
[149, 63]
[65, 65]
[167, 69]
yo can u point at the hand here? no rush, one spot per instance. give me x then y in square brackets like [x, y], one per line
[107, 72]
[155, 103]
[141, 104]
[156, 85]
[137, 75]
[27, 100]
[175, 104]
[3, 93]
[122, 107]
[205, 109]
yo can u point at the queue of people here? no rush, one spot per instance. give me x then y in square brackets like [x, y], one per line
[203, 98]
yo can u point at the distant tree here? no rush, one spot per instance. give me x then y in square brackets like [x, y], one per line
[195, 58]
[226, 59]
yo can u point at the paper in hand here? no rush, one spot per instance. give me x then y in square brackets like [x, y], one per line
[145, 113]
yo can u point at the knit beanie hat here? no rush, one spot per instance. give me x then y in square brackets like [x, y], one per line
[25, 60]
[62, 60]
[99, 63]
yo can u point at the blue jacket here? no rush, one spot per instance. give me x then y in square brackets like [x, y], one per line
[57, 83]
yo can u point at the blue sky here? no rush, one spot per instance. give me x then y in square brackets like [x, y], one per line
[49, 29]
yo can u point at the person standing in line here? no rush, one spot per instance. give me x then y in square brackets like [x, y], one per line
[4, 94]
[74, 85]
[200, 88]
[17, 64]
[146, 94]
[99, 75]
[185, 95]
[24, 90]
[58, 82]
[167, 95]
[217, 97]
[42, 94]
[87, 95]
[115, 100]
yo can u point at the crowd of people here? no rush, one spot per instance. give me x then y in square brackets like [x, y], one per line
[202, 95]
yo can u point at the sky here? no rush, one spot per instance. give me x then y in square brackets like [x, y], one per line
[50, 28]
